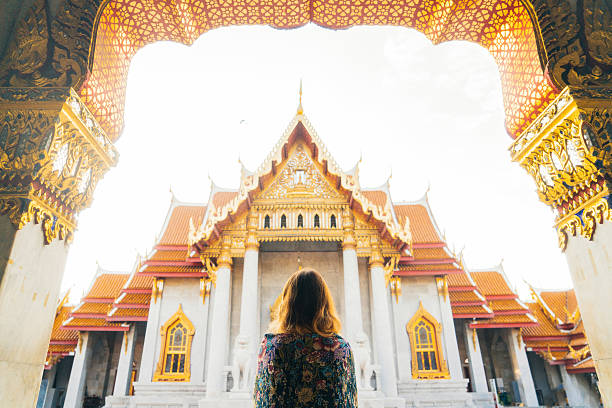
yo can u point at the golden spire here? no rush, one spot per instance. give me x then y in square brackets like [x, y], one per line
[300, 110]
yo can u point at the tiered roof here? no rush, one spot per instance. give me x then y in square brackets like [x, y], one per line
[508, 310]
[62, 342]
[91, 314]
[560, 336]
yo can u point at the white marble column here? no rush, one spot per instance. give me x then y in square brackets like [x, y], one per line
[219, 329]
[124, 366]
[353, 320]
[248, 313]
[30, 277]
[453, 360]
[578, 389]
[382, 325]
[150, 348]
[76, 383]
[477, 371]
[520, 365]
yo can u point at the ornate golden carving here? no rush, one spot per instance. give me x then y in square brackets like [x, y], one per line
[251, 241]
[567, 152]
[376, 258]
[442, 284]
[348, 240]
[428, 344]
[52, 155]
[182, 347]
[225, 257]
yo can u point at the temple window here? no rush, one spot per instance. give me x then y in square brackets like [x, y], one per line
[332, 221]
[283, 221]
[176, 335]
[425, 342]
[317, 221]
[267, 221]
[300, 221]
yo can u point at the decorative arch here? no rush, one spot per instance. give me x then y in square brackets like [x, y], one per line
[267, 221]
[425, 334]
[508, 29]
[283, 221]
[332, 221]
[174, 363]
[317, 221]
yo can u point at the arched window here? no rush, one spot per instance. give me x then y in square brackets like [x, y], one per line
[332, 221]
[317, 222]
[176, 336]
[300, 223]
[267, 221]
[283, 221]
[425, 342]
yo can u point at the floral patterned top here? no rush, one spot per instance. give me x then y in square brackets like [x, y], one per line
[308, 370]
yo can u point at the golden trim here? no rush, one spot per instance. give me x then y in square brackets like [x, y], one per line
[159, 375]
[442, 372]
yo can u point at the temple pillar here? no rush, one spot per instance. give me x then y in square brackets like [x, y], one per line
[353, 320]
[448, 326]
[150, 346]
[568, 152]
[520, 367]
[76, 384]
[52, 154]
[124, 366]
[578, 389]
[248, 305]
[590, 263]
[477, 371]
[219, 328]
[381, 323]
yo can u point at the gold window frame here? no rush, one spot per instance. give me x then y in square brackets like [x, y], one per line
[442, 370]
[160, 375]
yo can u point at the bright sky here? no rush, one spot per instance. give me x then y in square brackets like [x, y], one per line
[430, 115]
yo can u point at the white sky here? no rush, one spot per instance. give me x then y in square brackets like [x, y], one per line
[430, 114]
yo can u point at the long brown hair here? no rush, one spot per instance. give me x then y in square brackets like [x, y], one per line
[307, 306]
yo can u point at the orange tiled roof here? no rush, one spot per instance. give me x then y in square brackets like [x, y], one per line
[467, 296]
[376, 197]
[515, 319]
[92, 308]
[178, 225]
[586, 365]
[221, 198]
[61, 348]
[421, 225]
[90, 323]
[561, 303]
[140, 282]
[172, 269]
[171, 255]
[545, 327]
[429, 267]
[140, 312]
[491, 283]
[506, 304]
[430, 253]
[459, 280]
[135, 298]
[107, 285]
[63, 335]
[470, 310]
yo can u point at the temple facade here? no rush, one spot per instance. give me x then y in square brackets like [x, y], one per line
[182, 329]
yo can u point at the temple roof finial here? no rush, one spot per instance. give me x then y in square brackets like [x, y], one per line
[300, 110]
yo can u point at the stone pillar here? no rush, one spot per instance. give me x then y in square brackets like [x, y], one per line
[353, 320]
[46, 396]
[30, 277]
[590, 265]
[578, 390]
[450, 337]
[76, 384]
[520, 366]
[52, 154]
[477, 371]
[150, 347]
[219, 328]
[248, 304]
[124, 366]
[381, 322]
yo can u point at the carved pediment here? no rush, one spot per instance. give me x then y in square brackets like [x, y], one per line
[299, 178]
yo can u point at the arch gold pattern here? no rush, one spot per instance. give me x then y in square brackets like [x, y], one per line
[175, 353]
[504, 27]
[425, 334]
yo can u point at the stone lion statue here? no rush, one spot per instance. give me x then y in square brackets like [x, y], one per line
[241, 367]
[363, 368]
